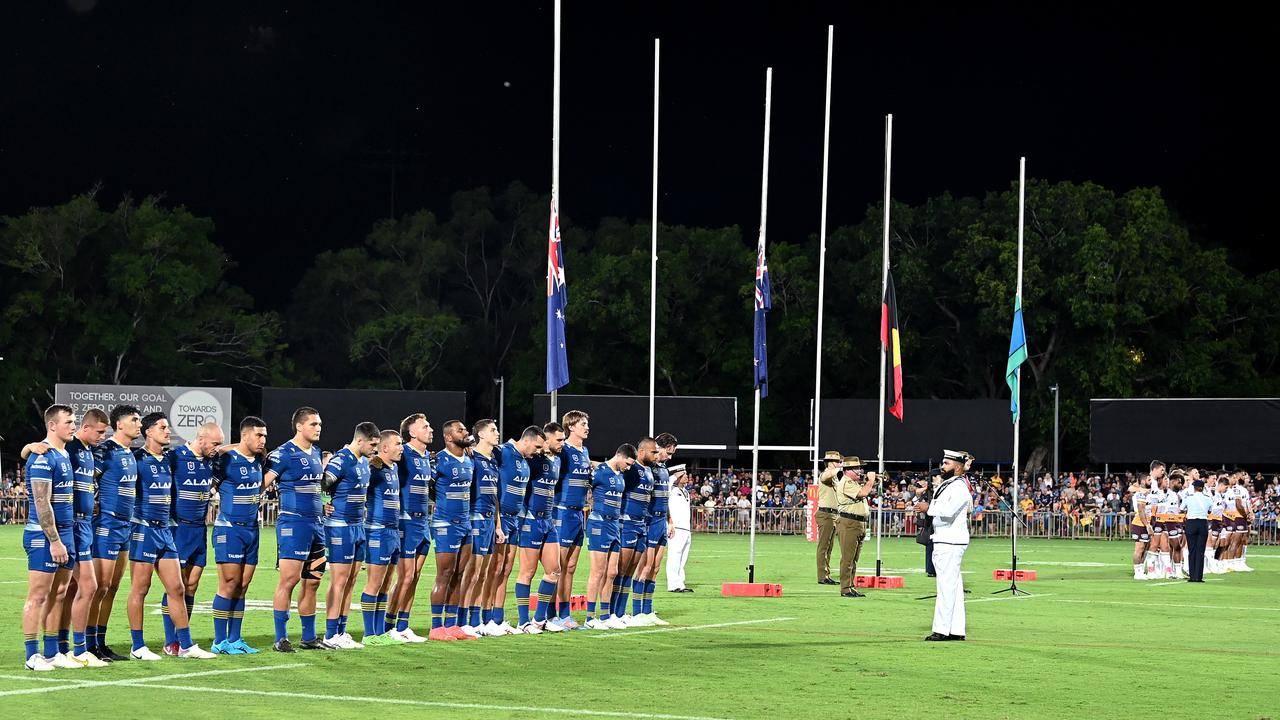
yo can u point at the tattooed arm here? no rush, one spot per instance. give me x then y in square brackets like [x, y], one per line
[43, 492]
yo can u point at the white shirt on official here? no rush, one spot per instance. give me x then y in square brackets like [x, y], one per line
[678, 507]
[949, 509]
[1197, 506]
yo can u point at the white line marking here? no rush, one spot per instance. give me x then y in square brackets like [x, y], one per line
[1172, 605]
[422, 703]
[1011, 597]
[141, 681]
[695, 627]
[1171, 582]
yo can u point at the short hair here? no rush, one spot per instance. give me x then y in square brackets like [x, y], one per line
[552, 427]
[365, 431]
[409, 420]
[452, 423]
[122, 411]
[385, 435]
[666, 440]
[94, 415]
[52, 412]
[1155, 464]
[301, 414]
[647, 441]
[250, 422]
[573, 417]
[150, 420]
[626, 450]
[480, 425]
[533, 431]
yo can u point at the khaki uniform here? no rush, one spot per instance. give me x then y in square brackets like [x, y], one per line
[851, 525]
[826, 520]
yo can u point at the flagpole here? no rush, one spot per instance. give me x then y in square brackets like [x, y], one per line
[884, 350]
[822, 258]
[555, 154]
[653, 230]
[1017, 420]
[755, 433]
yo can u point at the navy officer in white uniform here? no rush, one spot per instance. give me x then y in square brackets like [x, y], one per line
[948, 506]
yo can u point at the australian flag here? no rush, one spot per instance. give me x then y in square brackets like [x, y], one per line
[557, 299]
[762, 305]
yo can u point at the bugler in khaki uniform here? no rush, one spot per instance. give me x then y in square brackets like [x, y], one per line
[851, 520]
[827, 502]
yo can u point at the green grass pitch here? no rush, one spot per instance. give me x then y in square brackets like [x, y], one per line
[1089, 643]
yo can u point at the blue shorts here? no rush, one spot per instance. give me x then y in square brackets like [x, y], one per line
[110, 537]
[82, 535]
[152, 544]
[450, 536]
[569, 522]
[415, 537]
[602, 534]
[382, 546]
[299, 539]
[632, 534]
[37, 547]
[483, 532]
[346, 544]
[658, 531]
[511, 528]
[193, 545]
[534, 531]
[236, 544]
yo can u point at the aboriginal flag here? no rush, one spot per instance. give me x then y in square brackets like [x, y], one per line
[891, 345]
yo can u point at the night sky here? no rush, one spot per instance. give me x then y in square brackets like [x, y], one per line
[295, 127]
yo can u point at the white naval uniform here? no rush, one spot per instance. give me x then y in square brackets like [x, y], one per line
[681, 538]
[949, 509]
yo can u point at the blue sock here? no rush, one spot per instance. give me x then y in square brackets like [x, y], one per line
[383, 621]
[330, 628]
[368, 609]
[591, 609]
[91, 638]
[308, 626]
[184, 637]
[31, 645]
[138, 641]
[102, 635]
[498, 615]
[191, 606]
[50, 645]
[462, 615]
[168, 622]
[637, 600]
[282, 624]
[624, 591]
[78, 643]
[486, 616]
[236, 620]
[221, 618]
[437, 615]
[565, 614]
[476, 620]
[402, 621]
[546, 596]
[64, 641]
[615, 596]
[648, 595]
[342, 624]
[522, 602]
[605, 610]
[450, 616]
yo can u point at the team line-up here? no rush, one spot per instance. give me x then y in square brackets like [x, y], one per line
[380, 501]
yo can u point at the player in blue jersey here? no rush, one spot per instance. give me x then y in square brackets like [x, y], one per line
[415, 519]
[646, 576]
[537, 534]
[451, 529]
[117, 472]
[47, 539]
[513, 475]
[607, 485]
[237, 478]
[192, 468]
[633, 529]
[295, 467]
[571, 501]
[83, 583]
[382, 549]
[485, 526]
[153, 550]
[346, 479]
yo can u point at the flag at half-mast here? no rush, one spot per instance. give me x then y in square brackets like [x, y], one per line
[1017, 355]
[557, 299]
[762, 305]
[891, 345]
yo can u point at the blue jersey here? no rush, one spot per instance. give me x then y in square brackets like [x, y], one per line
[298, 473]
[575, 477]
[53, 468]
[239, 483]
[607, 485]
[415, 480]
[544, 474]
[82, 465]
[192, 481]
[384, 497]
[154, 503]
[658, 504]
[487, 482]
[118, 480]
[639, 491]
[349, 480]
[452, 486]
[513, 474]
